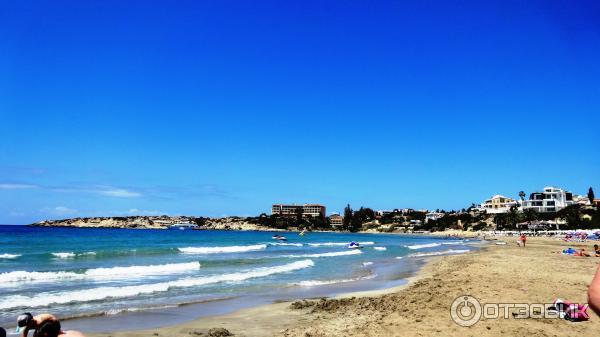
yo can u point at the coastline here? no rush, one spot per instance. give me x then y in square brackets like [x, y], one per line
[493, 274]
[264, 319]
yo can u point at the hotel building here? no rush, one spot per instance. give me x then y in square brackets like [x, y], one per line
[312, 210]
[553, 199]
[498, 204]
[336, 220]
[433, 216]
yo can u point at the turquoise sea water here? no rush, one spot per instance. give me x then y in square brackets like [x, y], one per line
[111, 272]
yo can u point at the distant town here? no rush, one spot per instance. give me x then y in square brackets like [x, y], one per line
[551, 208]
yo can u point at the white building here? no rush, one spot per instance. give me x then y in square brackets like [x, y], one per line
[383, 212]
[582, 200]
[312, 210]
[498, 204]
[553, 199]
[433, 216]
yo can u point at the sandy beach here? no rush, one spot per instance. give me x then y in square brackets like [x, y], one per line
[495, 274]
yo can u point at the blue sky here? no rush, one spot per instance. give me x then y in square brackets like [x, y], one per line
[223, 108]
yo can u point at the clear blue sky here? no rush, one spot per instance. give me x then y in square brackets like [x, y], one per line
[223, 107]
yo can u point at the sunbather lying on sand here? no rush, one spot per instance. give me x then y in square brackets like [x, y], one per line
[582, 252]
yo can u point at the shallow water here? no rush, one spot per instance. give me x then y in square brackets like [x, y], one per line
[117, 274]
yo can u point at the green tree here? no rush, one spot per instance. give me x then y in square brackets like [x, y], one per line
[522, 195]
[572, 214]
[299, 212]
[591, 195]
[369, 214]
[347, 217]
[529, 214]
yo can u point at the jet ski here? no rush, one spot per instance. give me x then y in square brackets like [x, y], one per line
[354, 245]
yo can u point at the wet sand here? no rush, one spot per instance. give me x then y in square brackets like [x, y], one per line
[495, 274]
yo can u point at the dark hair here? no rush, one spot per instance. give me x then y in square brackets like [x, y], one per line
[2, 332]
[24, 319]
[49, 328]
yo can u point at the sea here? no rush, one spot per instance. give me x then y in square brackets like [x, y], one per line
[99, 280]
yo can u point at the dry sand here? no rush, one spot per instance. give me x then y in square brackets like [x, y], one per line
[496, 274]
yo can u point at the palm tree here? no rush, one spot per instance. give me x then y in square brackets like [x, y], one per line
[522, 195]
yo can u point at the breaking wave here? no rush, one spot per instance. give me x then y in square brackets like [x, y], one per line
[9, 256]
[331, 254]
[425, 245]
[101, 293]
[100, 273]
[326, 244]
[285, 244]
[445, 252]
[313, 283]
[225, 249]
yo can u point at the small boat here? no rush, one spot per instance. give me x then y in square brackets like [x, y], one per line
[279, 237]
[354, 245]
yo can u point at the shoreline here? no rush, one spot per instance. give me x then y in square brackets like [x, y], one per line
[492, 273]
[268, 314]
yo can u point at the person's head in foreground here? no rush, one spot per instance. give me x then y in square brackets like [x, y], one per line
[25, 321]
[2, 332]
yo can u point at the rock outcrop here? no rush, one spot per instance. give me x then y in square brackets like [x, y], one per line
[154, 222]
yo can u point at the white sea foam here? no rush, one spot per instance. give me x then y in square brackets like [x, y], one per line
[64, 255]
[380, 248]
[322, 244]
[225, 249]
[9, 256]
[20, 276]
[101, 293]
[330, 254]
[453, 242]
[399, 257]
[367, 263]
[445, 252]
[313, 283]
[133, 272]
[425, 245]
[285, 244]
[70, 255]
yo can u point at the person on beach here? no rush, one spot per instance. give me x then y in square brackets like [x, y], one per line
[597, 250]
[45, 325]
[594, 293]
[582, 252]
[27, 321]
[523, 239]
